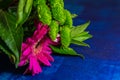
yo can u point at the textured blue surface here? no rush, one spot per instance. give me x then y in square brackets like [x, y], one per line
[102, 59]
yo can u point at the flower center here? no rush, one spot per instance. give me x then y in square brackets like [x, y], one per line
[37, 48]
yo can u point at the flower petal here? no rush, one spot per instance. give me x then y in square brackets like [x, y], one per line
[34, 66]
[24, 46]
[22, 63]
[43, 59]
[49, 57]
[30, 41]
[26, 51]
[42, 32]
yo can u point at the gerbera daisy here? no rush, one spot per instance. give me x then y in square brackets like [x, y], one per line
[36, 50]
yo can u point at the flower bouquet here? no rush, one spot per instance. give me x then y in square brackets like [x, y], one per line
[31, 30]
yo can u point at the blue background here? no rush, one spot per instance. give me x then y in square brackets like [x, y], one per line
[102, 58]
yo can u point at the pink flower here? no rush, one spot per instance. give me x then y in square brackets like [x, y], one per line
[36, 50]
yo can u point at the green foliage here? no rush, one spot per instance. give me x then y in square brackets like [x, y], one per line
[44, 13]
[79, 29]
[23, 11]
[68, 20]
[65, 36]
[78, 34]
[66, 51]
[50, 12]
[82, 37]
[57, 8]
[80, 43]
[10, 36]
[54, 2]
[74, 15]
[54, 28]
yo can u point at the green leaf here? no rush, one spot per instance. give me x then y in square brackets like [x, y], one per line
[6, 50]
[78, 29]
[79, 43]
[66, 51]
[82, 33]
[74, 15]
[54, 28]
[11, 36]
[82, 37]
[65, 36]
[23, 11]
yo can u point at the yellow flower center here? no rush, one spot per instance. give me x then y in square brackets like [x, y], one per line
[37, 48]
